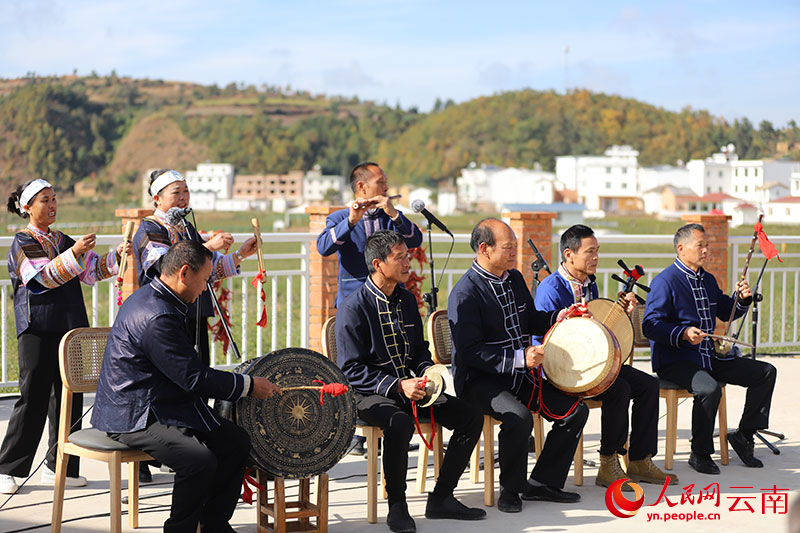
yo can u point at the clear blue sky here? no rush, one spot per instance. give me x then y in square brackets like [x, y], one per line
[736, 59]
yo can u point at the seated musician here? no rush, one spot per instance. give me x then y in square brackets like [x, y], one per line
[150, 395]
[683, 304]
[573, 281]
[492, 318]
[382, 352]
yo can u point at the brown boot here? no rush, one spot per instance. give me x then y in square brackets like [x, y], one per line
[610, 471]
[644, 470]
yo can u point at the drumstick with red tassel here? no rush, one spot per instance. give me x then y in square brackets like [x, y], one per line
[334, 389]
[123, 262]
[259, 279]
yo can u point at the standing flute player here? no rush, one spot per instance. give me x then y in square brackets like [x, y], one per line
[681, 309]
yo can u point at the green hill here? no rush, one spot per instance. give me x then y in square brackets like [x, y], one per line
[115, 128]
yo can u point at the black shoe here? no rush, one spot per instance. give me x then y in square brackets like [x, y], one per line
[357, 446]
[531, 444]
[399, 520]
[451, 509]
[549, 494]
[704, 465]
[744, 449]
[509, 502]
[144, 473]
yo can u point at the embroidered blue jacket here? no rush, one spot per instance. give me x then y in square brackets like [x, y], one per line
[380, 341]
[680, 298]
[150, 365]
[484, 340]
[349, 243]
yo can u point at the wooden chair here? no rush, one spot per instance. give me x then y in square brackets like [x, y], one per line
[441, 339]
[80, 358]
[373, 433]
[671, 392]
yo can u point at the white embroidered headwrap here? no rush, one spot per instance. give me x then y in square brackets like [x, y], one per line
[170, 176]
[32, 190]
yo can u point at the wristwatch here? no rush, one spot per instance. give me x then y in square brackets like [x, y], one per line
[238, 254]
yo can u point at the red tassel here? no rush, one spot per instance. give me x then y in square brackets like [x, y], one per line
[247, 492]
[334, 389]
[767, 248]
[259, 277]
[262, 322]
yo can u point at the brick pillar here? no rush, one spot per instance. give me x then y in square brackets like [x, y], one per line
[537, 227]
[322, 279]
[717, 234]
[129, 281]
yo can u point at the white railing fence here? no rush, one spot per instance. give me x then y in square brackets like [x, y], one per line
[286, 286]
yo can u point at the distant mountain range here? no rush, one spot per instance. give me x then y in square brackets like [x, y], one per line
[112, 129]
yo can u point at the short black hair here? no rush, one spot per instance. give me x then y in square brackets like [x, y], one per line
[13, 200]
[190, 253]
[482, 233]
[573, 236]
[361, 172]
[684, 233]
[379, 245]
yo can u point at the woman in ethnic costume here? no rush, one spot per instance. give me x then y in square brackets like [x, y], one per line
[46, 268]
[155, 235]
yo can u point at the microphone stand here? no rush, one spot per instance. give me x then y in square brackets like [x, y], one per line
[538, 264]
[431, 297]
[757, 297]
[194, 235]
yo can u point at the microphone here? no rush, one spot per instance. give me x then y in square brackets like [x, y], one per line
[418, 206]
[177, 215]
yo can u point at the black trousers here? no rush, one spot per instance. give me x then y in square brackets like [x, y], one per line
[39, 400]
[209, 468]
[396, 420]
[642, 388]
[491, 396]
[757, 376]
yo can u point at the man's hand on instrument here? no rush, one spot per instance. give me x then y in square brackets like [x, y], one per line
[411, 388]
[631, 302]
[534, 355]
[357, 210]
[578, 309]
[693, 335]
[744, 289]
[264, 388]
[385, 203]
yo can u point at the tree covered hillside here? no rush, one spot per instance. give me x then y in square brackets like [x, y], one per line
[68, 128]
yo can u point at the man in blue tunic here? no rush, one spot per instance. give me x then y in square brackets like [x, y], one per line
[492, 318]
[681, 310]
[382, 352]
[572, 282]
[151, 392]
[346, 232]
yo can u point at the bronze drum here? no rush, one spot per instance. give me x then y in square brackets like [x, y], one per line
[292, 435]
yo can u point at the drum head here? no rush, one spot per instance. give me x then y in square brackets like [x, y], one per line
[617, 320]
[578, 354]
[292, 435]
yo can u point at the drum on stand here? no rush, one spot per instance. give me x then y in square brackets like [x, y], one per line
[581, 356]
[292, 435]
[614, 317]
